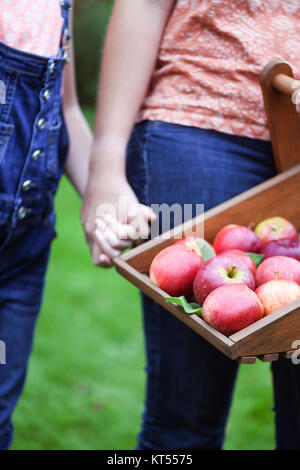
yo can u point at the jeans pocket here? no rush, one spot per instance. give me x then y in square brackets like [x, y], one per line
[6, 131]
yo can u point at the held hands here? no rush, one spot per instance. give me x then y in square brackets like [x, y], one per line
[296, 94]
[112, 216]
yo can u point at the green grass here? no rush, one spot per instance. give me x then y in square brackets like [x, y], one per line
[85, 383]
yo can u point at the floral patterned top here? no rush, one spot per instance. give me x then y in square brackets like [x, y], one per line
[210, 58]
[31, 26]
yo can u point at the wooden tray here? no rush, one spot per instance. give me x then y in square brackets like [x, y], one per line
[275, 333]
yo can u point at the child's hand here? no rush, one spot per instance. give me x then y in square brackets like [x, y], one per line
[107, 232]
[114, 237]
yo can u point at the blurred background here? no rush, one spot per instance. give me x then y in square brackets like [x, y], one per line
[86, 377]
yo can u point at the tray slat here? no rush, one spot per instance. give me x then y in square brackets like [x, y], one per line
[247, 359]
[268, 357]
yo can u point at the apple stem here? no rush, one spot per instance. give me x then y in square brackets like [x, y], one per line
[276, 275]
[231, 271]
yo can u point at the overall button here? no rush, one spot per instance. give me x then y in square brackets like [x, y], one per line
[65, 4]
[36, 154]
[41, 124]
[65, 58]
[46, 95]
[67, 35]
[22, 212]
[27, 185]
[51, 67]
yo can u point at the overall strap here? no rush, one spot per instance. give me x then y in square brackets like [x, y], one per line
[63, 55]
[66, 6]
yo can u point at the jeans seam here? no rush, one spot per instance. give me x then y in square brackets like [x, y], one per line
[154, 428]
[19, 71]
[145, 156]
[157, 391]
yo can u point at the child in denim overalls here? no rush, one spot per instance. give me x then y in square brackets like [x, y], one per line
[34, 149]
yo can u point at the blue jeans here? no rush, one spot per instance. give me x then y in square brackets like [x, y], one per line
[33, 149]
[189, 382]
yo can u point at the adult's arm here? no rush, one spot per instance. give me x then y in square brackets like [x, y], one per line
[130, 52]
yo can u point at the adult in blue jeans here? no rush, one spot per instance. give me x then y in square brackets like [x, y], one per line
[180, 119]
[35, 149]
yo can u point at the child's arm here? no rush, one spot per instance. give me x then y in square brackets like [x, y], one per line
[80, 135]
[130, 53]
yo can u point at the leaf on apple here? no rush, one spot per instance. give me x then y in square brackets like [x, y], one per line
[257, 258]
[189, 308]
[206, 249]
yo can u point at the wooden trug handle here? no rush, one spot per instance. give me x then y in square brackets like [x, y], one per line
[278, 84]
[285, 84]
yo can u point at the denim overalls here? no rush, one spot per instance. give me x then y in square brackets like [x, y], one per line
[33, 149]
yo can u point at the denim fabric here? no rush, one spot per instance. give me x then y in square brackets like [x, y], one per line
[189, 382]
[33, 148]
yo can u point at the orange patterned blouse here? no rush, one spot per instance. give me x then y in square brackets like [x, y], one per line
[211, 54]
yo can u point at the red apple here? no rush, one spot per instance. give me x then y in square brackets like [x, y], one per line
[231, 308]
[275, 228]
[196, 244]
[283, 247]
[237, 237]
[276, 294]
[244, 257]
[220, 270]
[174, 268]
[193, 243]
[278, 267]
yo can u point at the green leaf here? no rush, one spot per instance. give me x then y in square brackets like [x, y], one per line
[206, 249]
[257, 258]
[189, 308]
